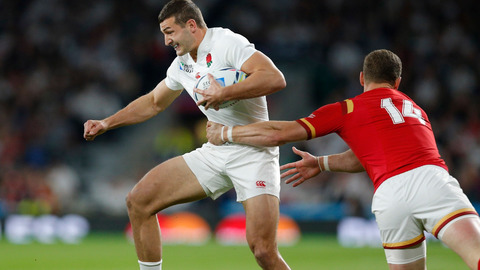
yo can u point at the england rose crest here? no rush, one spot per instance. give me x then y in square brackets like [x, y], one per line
[209, 60]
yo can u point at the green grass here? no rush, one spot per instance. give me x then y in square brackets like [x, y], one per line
[113, 251]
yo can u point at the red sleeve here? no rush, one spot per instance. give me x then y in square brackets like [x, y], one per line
[326, 119]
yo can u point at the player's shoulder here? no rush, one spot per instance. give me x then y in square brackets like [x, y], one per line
[397, 93]
[227, 36]
[400, 96]
[220, 31]
[403, 95]
[331, 108]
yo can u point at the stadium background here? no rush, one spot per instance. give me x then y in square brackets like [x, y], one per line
[63, 62]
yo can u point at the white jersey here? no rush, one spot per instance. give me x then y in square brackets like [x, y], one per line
[220, 48]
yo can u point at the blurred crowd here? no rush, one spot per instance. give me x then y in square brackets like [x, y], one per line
[64, 62]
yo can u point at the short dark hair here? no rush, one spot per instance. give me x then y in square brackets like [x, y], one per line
[382, 66]
[182, 10]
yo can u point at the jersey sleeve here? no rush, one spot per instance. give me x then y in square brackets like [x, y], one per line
[171, 80]
[326, 119]
[237, 49]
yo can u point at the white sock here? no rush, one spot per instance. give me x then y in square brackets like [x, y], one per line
[150, 265]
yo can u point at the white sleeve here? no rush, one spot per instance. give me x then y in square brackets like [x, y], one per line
[172, 74]
[238, 50]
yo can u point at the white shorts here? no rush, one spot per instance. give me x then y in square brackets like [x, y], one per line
[252, 171]
[425, 198]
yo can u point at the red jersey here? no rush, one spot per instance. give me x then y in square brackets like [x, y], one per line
[385, 129]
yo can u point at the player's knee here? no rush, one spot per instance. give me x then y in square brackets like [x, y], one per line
[141, 206]
[264, 253]
[133, 203]
[129, 201]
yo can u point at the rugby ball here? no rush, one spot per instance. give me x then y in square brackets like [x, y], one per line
[224, 77]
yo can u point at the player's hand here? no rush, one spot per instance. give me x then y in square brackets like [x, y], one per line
[301, 170]
[213, 133]
[212, 96]
[93, 128]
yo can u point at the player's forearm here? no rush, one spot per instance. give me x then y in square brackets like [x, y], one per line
[260, 83]
[269, 133]
[139, 110]
[343, 162]
[259, 134]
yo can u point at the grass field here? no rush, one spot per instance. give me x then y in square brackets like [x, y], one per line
[113, 251]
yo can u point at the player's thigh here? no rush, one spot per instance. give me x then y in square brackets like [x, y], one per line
[463, 237]
[417, 265]
[262, 214]
[171, 182]
[411, 258]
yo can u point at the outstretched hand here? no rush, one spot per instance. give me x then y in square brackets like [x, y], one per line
[213, 133]
[212, 95]
[301, 170]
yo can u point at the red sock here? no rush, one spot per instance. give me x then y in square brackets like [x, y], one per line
[478, 267]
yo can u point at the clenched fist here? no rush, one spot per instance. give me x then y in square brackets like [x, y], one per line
[93, 128]
[213, 133]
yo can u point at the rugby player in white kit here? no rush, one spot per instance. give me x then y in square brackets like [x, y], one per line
[210, 170]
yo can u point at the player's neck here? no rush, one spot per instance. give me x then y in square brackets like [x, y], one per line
[373, 85]
[199, 36]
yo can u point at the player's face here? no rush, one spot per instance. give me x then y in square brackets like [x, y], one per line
[180, 38]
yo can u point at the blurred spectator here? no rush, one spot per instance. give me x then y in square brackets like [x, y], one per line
[65, 183]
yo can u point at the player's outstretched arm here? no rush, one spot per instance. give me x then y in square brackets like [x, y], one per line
[139, 110]
[268, 133]
[310, 166]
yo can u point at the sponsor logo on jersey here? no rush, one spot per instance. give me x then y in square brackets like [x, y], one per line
[186, 68]
[261, 184]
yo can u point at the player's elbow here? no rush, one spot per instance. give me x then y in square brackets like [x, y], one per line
[279, 82]
[157, 108]
[156, 105]
[275, 80]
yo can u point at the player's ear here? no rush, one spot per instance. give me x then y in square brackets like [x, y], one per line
[192, 25]
[397, 82]
[362, 80]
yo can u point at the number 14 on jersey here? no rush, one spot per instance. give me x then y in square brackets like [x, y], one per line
[407, 111]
